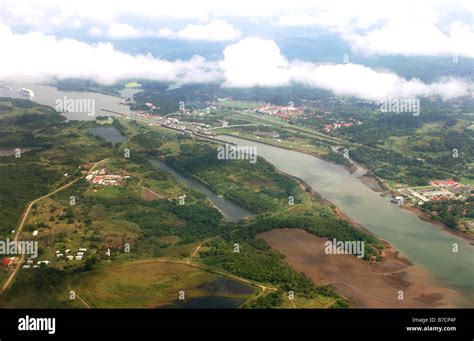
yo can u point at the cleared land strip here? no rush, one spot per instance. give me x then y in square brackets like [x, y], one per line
[152, 192]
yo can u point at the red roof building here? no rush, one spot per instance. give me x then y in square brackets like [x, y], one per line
[444, 183]
[97, 179]
[7, 261]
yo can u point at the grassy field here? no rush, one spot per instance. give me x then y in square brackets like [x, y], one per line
[466, 181]
[145, 285]
[132, 85]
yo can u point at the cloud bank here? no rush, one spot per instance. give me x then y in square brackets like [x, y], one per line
[414, 38]
[389, 27]
[38, 57]
[215, 30]
[408, 28]
[259, 62]
[250, 62]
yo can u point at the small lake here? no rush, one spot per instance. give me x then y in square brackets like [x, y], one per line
[227, 286]
[110, 134]
[209, 302]
[231, 211]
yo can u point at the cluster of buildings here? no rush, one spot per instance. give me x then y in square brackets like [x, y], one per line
[170, 122]
[438, 190]
[283, 112]
[174, 123]
[330, 127]
[201, 128]
[68, 255]
[452, 186]
[30, 263]
[100, 177]
[289, 112]
[151, 106]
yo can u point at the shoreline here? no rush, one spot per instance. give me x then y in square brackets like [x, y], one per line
[376, 185]
[351, 169]
[364, 284]
[389, 253]
[426, 217]
[388, 248]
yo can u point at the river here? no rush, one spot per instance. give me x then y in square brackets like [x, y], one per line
[230, 210]
[424, 243]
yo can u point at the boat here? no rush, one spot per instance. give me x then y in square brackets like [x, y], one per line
[27, 92]
[3, 86]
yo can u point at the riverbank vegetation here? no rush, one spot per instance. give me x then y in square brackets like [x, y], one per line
[413, 150]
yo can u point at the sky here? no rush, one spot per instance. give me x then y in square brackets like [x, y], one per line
[58, 39]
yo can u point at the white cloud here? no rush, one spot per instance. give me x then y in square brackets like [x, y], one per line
[363, 82]
[254, 62]
[215, 30]
[415, 38]
[409, 28]
[68, 58]
[166, 33]
[95, 31]
[118, 30]
[259, 62]
[123, 31]
[330, 19]
[347, 16]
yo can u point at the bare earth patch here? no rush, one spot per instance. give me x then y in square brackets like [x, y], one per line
[364, 284]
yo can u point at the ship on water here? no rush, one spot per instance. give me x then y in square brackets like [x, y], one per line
[3, 86]
[27, 92]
